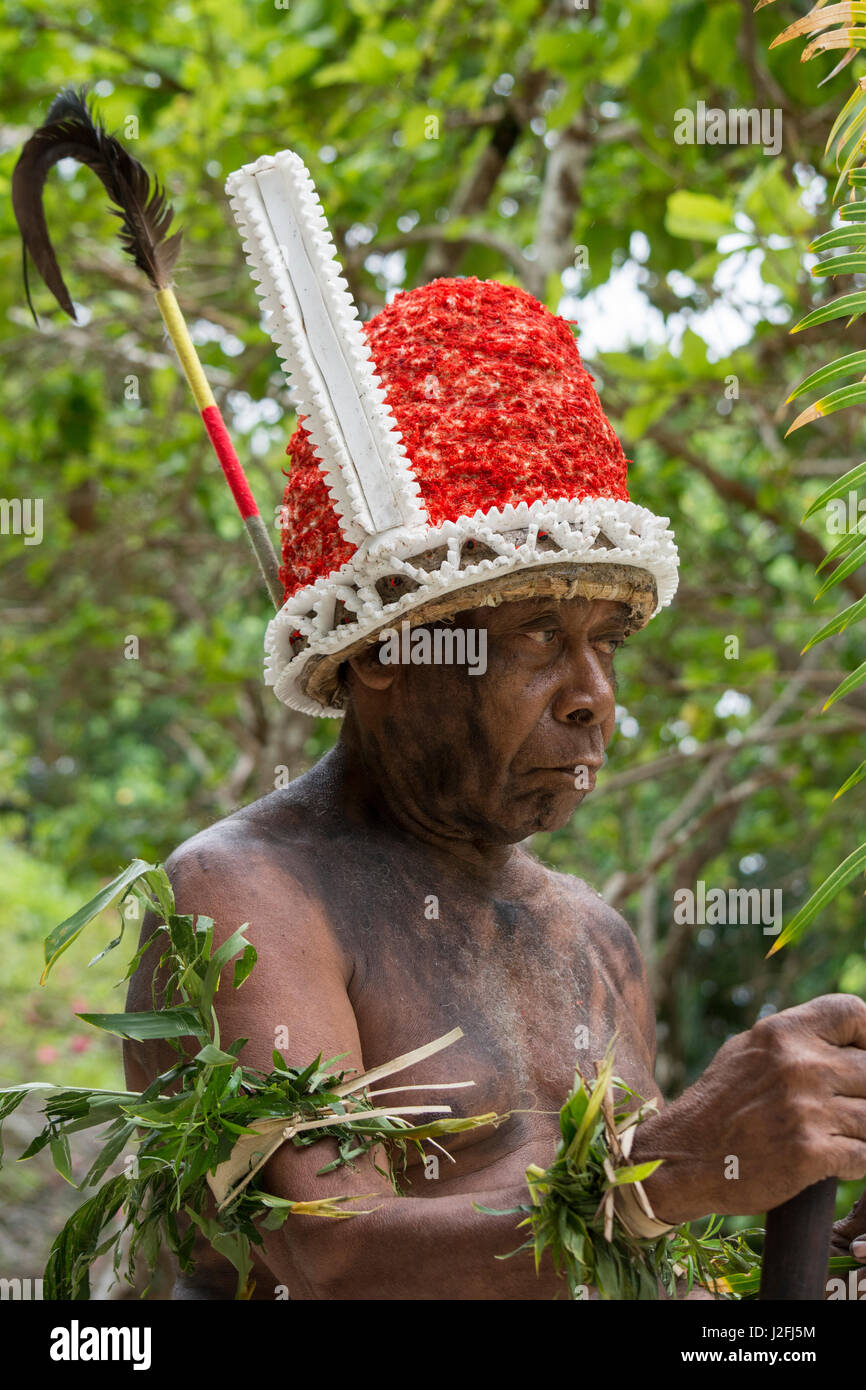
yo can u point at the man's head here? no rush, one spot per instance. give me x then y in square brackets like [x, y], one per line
[494, 757]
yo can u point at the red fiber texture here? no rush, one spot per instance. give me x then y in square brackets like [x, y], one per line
[494, 406]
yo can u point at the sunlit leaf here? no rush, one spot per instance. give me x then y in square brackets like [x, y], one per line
[848, 481]
[832, 885]
[837, 400]
[855, 264]
[849, 365]
[856, 776]
[61, 938]
[177, 1022]
[840, 236]
[845, 687]
[839, 623]
[853, 562]
[848, 540]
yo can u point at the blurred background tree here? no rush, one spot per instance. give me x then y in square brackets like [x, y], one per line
[533, 143]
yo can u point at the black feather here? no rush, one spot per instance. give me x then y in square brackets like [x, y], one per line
[70, 132]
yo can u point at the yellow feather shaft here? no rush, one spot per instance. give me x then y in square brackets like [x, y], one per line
[184, 347]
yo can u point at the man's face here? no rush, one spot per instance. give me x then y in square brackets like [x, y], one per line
[494, 757]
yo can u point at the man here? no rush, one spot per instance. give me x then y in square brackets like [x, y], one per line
[388, 891]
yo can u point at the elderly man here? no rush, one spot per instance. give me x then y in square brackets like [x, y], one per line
[389, 893]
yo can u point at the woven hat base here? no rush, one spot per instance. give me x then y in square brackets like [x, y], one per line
[323, 682]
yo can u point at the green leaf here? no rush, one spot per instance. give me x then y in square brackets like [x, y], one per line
[849, 480]
[856, 776]
[854, 561]
[177, 1022]
[111, 1149]
[60, 1155]
[845, 687]
[848, 365]
[832, 885]
[839, 236]
[77, 1245]
[110, 947]
[850, 304]
[61, 938]
[854, 150]
[231, 947]
[639, 1172]
[848, 540]
[838, 624]
[837, 400]
[11, 1098]
[698, 216]
[855, 264]
[426, 1131]
[244, 965]
[213, 1056]
[852, 112]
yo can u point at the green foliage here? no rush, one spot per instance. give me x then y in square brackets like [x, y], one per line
[193, 1115]
[847, 141]
[590, 1245]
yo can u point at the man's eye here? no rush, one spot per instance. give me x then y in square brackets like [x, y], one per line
[611, 644]
[545, 637]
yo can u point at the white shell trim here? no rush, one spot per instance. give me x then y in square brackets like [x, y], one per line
[311, 318]
[639, 538]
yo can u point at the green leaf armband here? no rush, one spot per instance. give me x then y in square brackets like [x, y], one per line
[590, 1213]
[631, 1204]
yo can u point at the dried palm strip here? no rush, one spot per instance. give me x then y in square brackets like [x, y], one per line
[406, 1059]
[270, 1135]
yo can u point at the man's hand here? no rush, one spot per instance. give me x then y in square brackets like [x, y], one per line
[779, 1107]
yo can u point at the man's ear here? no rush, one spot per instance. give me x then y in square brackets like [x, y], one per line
[368, 669]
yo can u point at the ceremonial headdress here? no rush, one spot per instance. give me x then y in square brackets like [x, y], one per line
[451, 452]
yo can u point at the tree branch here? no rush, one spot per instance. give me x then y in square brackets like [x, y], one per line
[806, 546]
[472, 197]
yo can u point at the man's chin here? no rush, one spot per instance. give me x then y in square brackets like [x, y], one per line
[555, 812]
[546, 811]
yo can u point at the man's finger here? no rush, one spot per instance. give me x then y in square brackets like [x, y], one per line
[858, 1248]
[838, 1018]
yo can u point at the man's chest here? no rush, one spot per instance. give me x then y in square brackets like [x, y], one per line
[529, 984]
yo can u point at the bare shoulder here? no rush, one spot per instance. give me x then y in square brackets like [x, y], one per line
[608, 928]
[249, 871]
[251, 866]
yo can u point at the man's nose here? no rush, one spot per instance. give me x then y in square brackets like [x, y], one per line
[586, 694]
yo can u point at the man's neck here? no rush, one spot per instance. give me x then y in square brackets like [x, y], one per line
[359, 787]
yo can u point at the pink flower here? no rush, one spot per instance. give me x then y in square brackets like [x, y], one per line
[80, 1044]
[46, 1053]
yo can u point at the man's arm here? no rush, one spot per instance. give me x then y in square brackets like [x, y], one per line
[427, 1248]
[780, 1107]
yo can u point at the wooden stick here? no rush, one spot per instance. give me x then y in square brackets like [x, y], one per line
[797, 1245]
[219, 437]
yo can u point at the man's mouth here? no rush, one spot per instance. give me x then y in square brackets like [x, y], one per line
[575, 771]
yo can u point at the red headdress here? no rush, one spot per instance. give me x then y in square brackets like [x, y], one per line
[452, 451]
